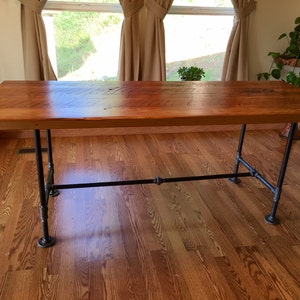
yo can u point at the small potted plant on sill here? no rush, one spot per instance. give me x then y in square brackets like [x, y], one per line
[191, 73]
[286, 66]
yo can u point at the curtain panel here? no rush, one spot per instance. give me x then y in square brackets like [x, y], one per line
[142, 45]
[236, 57]
[36, 60]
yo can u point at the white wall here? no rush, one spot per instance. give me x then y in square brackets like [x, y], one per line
[271, 18]
[11, 58]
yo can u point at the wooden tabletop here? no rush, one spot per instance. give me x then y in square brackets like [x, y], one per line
[64, 104]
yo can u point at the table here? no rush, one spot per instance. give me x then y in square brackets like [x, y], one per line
[40, 105]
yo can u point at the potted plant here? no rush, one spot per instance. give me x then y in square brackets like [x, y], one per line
[286, 66]
[191, 73]
[290, 57]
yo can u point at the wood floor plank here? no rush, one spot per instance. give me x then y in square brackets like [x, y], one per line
[186, 240]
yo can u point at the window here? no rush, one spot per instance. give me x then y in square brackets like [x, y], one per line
[84, 37]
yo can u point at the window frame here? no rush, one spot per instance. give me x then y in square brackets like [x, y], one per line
[53, 7]
[116, 8]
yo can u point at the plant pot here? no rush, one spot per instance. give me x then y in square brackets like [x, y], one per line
[285, 132]
[286, 61]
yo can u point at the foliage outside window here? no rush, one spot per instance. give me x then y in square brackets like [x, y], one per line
[74, 32]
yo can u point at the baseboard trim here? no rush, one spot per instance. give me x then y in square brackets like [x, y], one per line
[137, 130]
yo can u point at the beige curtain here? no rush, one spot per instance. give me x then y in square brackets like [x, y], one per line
[236, 57]
[36, 60]
[142, 49]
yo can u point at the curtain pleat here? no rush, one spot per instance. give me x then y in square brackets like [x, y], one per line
[236, 57]
[36, 60]
[142, 49]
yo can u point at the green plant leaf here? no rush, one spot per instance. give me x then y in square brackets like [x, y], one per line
[276, 73]
[282, 36]
[297, 28]
[191, 73]
[297, 81]
[291, 78]
[259, 76]
[274, 54]
[292, 51]
[264, 75]
[279, 65]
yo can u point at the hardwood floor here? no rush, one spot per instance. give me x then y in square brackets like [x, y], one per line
[191, 240]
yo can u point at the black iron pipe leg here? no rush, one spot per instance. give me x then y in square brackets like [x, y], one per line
[50, 180]
[238, 155]
[46, 240]
[271, 218]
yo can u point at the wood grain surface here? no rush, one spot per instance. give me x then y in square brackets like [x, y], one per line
[189, 241]
[62, 105]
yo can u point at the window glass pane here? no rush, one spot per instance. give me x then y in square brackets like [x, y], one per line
[86, 45]
[206, 3]
[196, 40]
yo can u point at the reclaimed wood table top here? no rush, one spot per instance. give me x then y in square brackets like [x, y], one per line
[82, 104]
